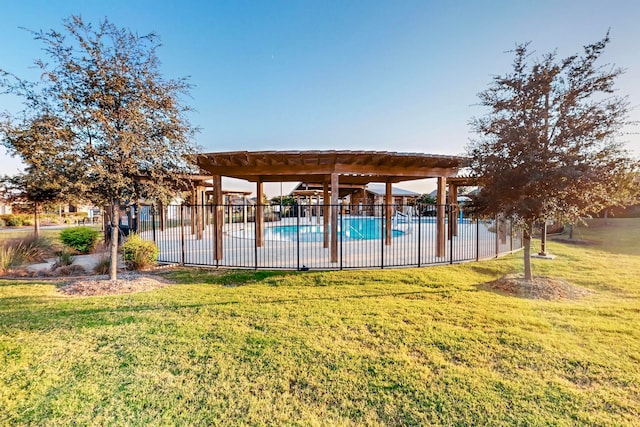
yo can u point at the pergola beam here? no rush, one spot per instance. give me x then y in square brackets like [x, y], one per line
[349, 175]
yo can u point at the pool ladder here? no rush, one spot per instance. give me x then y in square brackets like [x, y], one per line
[357, 232]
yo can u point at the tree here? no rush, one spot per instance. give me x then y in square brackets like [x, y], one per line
[548, 147]
[32, 189]
[36, 141]
[283, 200]
[123, 124]
[426, 199]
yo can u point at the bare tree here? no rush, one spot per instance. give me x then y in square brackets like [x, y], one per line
[123, 123]
[548, 147]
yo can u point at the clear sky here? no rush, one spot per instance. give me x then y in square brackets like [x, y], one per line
[354, 75]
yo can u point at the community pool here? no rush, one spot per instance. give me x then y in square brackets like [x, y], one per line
[361, 228]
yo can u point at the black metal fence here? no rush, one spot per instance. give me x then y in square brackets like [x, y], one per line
[293, 237]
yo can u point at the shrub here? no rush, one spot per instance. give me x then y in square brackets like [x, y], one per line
[102, 267]
[68, 270]
[17, 252]
[13, 221]
[17, 220]
[50, 219]
[63, 258]
[138, 253]
[7, 258]
[82, 239]
[39, 248]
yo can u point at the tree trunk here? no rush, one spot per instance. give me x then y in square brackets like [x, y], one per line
[570, 231]
[526, 240]
[36, 220]
[115, 233]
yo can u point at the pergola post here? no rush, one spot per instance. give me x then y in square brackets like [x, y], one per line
[192, 210]
[259, 214]
[453, 201]
[326, 215]
[245, 214]
[365, 203]
[388, 202]
[335, 191]
[218, 219]
[441, 196]
[200, 211]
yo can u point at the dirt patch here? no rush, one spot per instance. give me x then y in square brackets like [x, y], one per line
[541, 287]
[101, 285]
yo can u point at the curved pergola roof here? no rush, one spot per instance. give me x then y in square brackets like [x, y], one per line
[354, 167]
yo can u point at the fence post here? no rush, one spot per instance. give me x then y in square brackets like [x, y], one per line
[382, 239]
[298, 237]
[452, 217]
[255, 235]
[497, 235]
[510, 236]
[478, 238]
[419, 234]
[153, 222]
[182, 234]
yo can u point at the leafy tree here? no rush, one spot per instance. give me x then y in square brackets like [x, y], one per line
[37, 142]
[33, 189]
[283, 200]
[548, 148]
[426, 199]
[123, 124]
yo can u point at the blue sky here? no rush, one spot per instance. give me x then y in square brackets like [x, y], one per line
[379, 75]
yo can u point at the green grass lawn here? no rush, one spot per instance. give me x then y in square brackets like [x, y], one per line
[9, 233]
[24, 232]
[394, 347]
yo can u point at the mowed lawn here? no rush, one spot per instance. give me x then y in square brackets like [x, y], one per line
[395, 347]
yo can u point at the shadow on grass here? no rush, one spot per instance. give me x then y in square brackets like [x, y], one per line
[490, 271]
[52, 318]
[30, 281]
[227, 278]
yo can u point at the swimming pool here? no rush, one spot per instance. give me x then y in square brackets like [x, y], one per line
[361, 228]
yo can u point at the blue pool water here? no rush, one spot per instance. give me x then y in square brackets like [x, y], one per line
[351, 229]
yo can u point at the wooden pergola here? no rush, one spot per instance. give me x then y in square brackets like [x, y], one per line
[330, 169]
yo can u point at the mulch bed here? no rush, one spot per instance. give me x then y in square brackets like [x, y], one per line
[101, 285]
[541, 287]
